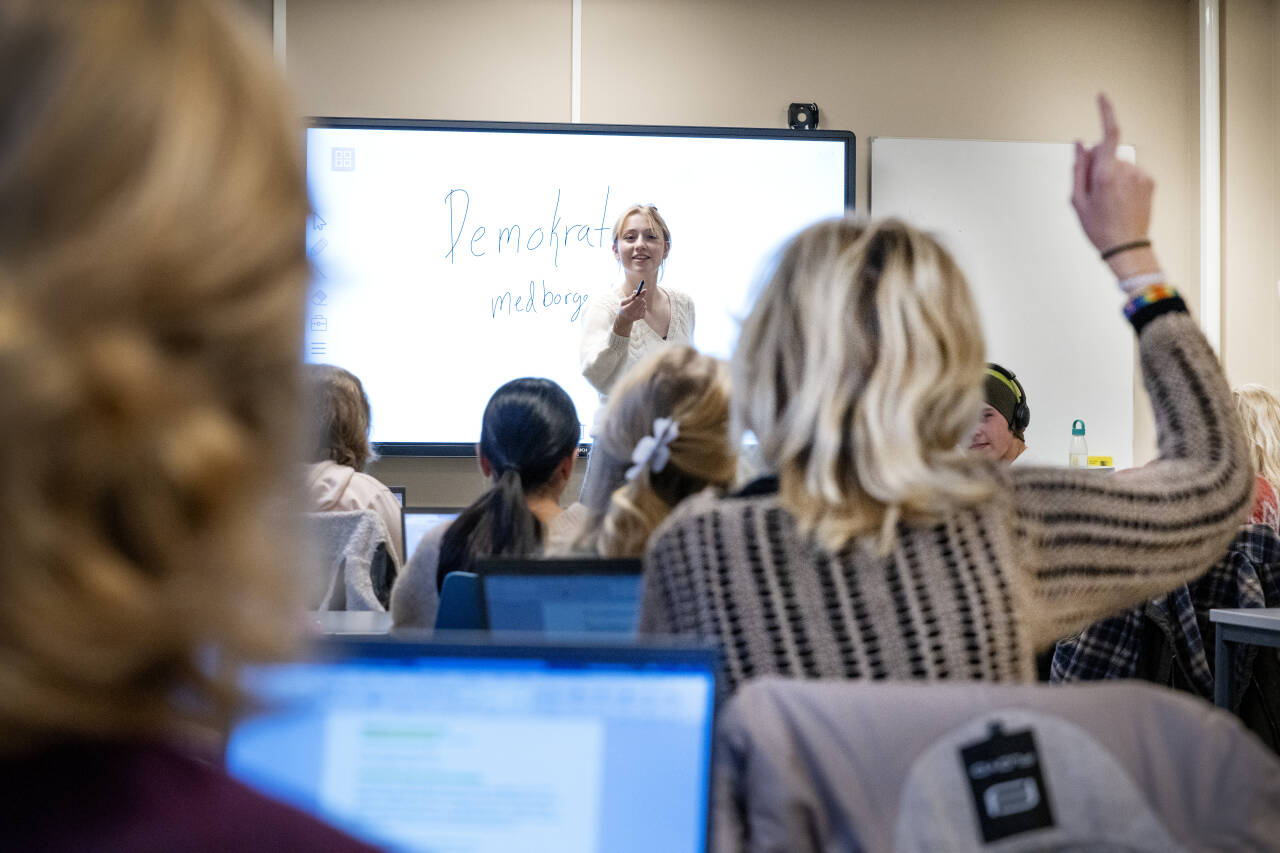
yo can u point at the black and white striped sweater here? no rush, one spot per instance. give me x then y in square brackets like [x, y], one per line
[975, 596]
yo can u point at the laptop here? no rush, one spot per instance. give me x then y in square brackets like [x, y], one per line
[419, 519]
[420, 746]
[560, 596]
[399, 493]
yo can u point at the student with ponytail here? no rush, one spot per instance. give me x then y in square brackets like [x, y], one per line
[529, 438]
[663, 436]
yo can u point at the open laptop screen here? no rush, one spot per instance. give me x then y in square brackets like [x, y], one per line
[419, 519]
[489, 748]
[561, 595]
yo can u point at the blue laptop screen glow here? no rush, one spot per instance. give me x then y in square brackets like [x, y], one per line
[563, 603]
[416, 524]
[487, 754]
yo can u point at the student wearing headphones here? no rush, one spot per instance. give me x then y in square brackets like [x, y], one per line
[1000, 433]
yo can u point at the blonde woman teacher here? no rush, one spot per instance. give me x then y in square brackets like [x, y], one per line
[628, 321]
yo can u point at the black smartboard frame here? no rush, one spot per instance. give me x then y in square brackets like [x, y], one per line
[467, 449]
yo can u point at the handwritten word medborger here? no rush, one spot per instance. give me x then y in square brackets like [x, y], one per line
[508, 303]
[510, 238]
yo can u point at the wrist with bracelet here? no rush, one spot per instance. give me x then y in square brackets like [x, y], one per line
[1147, 292]
[1108, 254]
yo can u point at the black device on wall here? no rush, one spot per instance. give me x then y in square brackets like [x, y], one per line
[802, 116]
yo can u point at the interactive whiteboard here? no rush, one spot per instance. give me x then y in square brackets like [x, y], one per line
[1050, 308]
[450, 258]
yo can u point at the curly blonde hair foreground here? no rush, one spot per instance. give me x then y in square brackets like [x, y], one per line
[1259, 411]
[676, 382]
[859, 371]
[151, 288]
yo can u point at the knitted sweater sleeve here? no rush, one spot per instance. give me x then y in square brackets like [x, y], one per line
[603, 351]
[1090, 544]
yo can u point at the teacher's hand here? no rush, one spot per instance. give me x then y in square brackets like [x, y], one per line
[632, 310]
[1112, 197]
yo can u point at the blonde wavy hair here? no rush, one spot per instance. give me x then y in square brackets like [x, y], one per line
[676, 382]
[859, 371]
[1259, 411]
[152, 276]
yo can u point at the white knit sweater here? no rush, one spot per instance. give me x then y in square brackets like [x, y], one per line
[605, 356]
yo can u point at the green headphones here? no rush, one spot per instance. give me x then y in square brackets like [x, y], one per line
[1021, 411]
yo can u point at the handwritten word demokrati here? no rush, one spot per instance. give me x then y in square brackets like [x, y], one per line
[511, 238]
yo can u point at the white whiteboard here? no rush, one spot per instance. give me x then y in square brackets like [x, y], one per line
[449, 261]
[1050, 309]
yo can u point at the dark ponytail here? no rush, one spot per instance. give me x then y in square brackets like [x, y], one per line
[530, 426]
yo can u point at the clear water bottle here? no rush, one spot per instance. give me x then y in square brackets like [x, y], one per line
[1078, 455]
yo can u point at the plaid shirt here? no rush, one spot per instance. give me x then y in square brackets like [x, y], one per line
[1248, 576]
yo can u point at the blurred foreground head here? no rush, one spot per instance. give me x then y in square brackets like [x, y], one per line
[152, 274]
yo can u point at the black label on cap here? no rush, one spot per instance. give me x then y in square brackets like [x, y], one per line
[1008, 789]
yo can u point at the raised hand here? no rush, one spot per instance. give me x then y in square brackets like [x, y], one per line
[1111, 197]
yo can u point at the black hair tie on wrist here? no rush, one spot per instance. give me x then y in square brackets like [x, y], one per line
[1125, 247]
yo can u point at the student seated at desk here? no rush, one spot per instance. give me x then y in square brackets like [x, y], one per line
[1259, 411]
[339, 450]
[528, 441]
[1001, 431]
[152, 280]
[663, 436]
[884, 548]
[1170, 639]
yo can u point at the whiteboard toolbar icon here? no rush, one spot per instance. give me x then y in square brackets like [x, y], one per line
[344, 160]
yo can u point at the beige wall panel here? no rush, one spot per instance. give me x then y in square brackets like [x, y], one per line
[977, 69]
[258, 11]
[498, 60]
[1251, 190]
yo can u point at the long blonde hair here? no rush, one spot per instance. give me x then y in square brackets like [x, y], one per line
[678, 383]
[152, 276]
[1259, 412]
[859, 371]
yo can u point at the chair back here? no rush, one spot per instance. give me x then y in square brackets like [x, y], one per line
[837, 765]
[461, 608]
[351, 561]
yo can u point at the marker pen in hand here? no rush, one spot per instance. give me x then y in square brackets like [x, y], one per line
[638, 289]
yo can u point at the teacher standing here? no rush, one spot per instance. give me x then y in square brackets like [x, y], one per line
[625, 323]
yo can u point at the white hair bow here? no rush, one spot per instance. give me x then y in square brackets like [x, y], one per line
[653, 451]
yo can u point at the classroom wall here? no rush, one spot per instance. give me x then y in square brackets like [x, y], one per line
[977, 69]
[1251, 191]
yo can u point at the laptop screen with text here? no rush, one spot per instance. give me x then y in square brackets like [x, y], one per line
[419, 746]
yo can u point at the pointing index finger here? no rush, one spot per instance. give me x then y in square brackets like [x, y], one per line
[1110, 130]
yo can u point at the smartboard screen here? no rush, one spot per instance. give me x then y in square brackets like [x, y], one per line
[450, 258]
